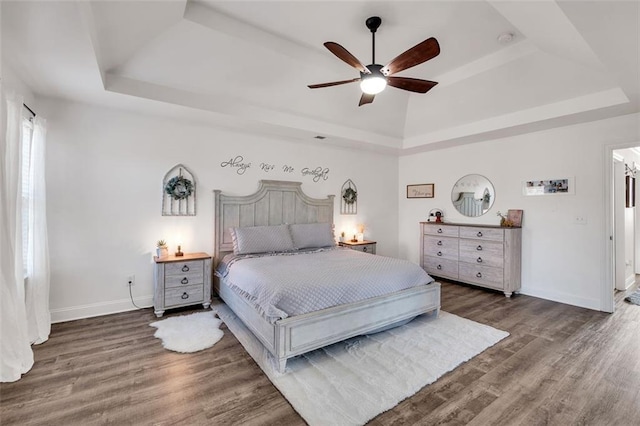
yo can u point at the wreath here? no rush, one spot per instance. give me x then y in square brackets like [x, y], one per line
[350, 196]
[179, 188]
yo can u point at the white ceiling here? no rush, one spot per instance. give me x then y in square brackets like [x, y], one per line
[246, 64]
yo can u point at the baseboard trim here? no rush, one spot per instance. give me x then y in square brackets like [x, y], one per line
[565, 298]
[98, 309]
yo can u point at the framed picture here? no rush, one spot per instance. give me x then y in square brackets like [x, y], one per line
[515, 217]
[422, 190]
[548, 186]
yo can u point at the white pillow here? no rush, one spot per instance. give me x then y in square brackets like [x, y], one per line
[312, 235]
[261, 239]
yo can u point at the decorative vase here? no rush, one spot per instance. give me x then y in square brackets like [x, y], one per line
[162, 251]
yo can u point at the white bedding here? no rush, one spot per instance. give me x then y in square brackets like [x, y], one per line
[289, 284]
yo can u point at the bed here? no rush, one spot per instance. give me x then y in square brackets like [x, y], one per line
[279, 203]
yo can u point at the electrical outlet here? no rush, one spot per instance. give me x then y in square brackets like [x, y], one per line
[131, 280]
[580, 219]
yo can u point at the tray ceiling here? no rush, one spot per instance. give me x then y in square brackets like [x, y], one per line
[246, 64]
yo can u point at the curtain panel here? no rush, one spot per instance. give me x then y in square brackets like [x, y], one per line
[16, 356]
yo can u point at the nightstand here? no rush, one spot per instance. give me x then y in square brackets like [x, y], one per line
[181, 281]
[363, 246]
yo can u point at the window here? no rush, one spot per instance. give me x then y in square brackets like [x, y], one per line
[27, 193]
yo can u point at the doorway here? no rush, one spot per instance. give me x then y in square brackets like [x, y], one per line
[623, 223]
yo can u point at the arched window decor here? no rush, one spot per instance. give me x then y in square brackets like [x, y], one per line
[179, 192]
[349, 198]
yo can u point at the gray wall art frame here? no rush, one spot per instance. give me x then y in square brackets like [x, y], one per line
[349, 198]
[179, 192]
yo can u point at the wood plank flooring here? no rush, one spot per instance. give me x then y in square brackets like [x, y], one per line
[562, 365]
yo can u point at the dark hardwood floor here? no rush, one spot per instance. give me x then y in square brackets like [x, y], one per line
[562, 365]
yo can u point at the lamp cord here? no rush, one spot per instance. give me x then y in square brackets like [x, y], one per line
[131, 296]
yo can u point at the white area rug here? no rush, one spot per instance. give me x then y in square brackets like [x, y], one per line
[189, 333]
[351, 382]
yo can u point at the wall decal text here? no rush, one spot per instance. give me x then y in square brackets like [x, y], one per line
[237, 162]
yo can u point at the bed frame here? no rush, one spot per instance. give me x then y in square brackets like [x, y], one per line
[279, 202]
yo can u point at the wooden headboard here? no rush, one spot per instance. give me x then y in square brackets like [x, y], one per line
[275, 203]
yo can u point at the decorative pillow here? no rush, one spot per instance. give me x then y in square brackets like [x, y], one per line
[312, 235]
[261, 239]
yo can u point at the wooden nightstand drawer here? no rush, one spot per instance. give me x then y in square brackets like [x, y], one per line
[363, 246]
[187, 295]
[180, 268]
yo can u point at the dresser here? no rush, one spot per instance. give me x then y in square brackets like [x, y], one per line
[181, 281]
[483, 255]
[363, 246]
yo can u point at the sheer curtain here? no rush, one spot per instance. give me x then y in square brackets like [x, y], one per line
[37, 283]
[16, 356]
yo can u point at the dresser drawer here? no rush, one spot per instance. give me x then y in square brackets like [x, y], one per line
[187, 295]
[446, 248]
[491, 234]
[490, 253]
[442, 230]
[481, 275]
[180, 268]
[441, 267]
[186, 278]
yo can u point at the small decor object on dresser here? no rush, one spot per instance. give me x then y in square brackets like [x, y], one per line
[178, 192]
[181, 281]
[363, 246]
[515, 217]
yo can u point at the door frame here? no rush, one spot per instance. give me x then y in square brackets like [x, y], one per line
[608, 287]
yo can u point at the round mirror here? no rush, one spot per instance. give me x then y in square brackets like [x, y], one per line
[473, 195]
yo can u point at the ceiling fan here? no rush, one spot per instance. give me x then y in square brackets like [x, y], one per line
[375, 77]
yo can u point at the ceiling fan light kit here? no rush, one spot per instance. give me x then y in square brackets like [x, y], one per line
[374, 82]
[375, 77]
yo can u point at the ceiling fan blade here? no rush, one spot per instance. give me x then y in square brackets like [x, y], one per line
[411, 84]
[366, 99]
[418, 54]
[347, 57]
[333, 83]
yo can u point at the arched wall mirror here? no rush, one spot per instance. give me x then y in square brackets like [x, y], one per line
[473, 195]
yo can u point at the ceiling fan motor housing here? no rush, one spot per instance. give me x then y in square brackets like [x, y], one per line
[373, 23]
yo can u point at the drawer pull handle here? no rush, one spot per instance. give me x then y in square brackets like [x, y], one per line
[185, 268]
[184, 295]
[439, 243]
[439, 253]
[185, 280]
[439, 267]
[479, 260]
[479, 234]
[479, 275]
[439, 230]
[364, 249]
[479, 248]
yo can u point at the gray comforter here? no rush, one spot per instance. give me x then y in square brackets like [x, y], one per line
[288, 284]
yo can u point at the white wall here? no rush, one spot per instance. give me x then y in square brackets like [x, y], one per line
[561, 260]
[104, 178]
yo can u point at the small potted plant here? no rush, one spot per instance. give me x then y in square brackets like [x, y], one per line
[161, 248]
[342, 236]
